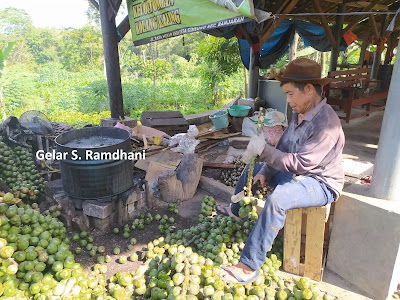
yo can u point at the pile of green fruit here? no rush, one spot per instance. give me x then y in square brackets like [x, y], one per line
[36, 262]
[166, 224]
[177, 272]
[220, 238]
[171, 208]
[231, 176]
[85, 241]
[18, 170]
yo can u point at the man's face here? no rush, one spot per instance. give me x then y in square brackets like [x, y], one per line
[299, 101]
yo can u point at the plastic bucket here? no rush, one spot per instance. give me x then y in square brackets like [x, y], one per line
[220, 119]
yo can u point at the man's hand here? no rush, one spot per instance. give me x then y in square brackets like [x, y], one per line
[261, 178]
[255, 147]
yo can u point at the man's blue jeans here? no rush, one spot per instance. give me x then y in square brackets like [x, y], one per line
[289, 193]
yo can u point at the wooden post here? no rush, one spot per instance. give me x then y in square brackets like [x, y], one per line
[365, 43]
[293, 47]
[338, 37]
[254, 67]
[323, 63]
[388, 50]
[111, 57]
[246, 84]
[378, 53]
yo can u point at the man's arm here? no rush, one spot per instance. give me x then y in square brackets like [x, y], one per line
[267, 171]
[309, 157]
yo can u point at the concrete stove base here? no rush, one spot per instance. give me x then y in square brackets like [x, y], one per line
[100, 214]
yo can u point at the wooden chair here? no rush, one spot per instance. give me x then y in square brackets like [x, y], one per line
[352, 88]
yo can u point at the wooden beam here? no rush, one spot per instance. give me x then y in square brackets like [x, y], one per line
[271, 30]
[111, 58]
[374, 26]
[277, 9]
[368, 8]
[123, 28]
[338, 36]
[324, 23]
[95, 3]
[113, 8]
[278, 21]
[361, 4]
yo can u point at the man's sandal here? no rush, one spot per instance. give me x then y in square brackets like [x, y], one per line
[221, 210]
[240, 279]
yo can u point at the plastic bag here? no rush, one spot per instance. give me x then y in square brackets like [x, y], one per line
[273, 117]
[15, 132]
[249, 128]
[273, 126]
[122, 126]
[186, 141]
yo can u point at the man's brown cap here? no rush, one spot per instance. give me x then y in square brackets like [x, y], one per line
[302, 70]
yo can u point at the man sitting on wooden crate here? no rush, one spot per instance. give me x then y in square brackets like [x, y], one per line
[305, 167]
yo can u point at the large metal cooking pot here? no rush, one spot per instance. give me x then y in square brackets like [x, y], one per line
[87, 170]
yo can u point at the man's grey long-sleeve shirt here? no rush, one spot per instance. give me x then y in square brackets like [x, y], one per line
[312, 148]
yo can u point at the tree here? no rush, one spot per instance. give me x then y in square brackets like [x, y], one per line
[155, 69]
[4, 54]
[22, 54]
[93, 15]
[221, 58]
[185, 46]
[14, 21]
[82, 48]
[44, 44]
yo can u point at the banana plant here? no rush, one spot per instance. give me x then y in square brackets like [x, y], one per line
[4, 54]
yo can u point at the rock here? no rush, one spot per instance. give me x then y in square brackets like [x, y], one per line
[80, 222]
[97, 209]
[216, 188]
[68, 206]
[53, 187]
[103, 224]
[78, 203]
[66, 219]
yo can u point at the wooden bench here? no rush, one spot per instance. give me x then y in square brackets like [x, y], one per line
[352, 88]
[306, 237]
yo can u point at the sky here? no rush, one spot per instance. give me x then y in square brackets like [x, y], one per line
[52, 13]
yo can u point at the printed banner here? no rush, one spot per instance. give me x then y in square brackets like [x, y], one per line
[153, 20]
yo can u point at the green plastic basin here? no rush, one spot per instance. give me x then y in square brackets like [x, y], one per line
[239, 110]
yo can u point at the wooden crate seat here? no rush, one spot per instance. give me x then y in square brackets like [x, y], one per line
[305, 232]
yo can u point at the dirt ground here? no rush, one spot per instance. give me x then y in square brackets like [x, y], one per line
[110, 241]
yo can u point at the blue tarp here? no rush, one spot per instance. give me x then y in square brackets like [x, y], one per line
[278, 43]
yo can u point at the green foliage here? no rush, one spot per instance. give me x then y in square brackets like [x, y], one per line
[71, 117]
[14, 21]
[181, 68]
[221, 58]
[22, 54]
[5, 53]
[60, 71]
[158, 68]
[93, 97]
[184, 46]
[44, 45]
[18, 87]
[81, 49]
